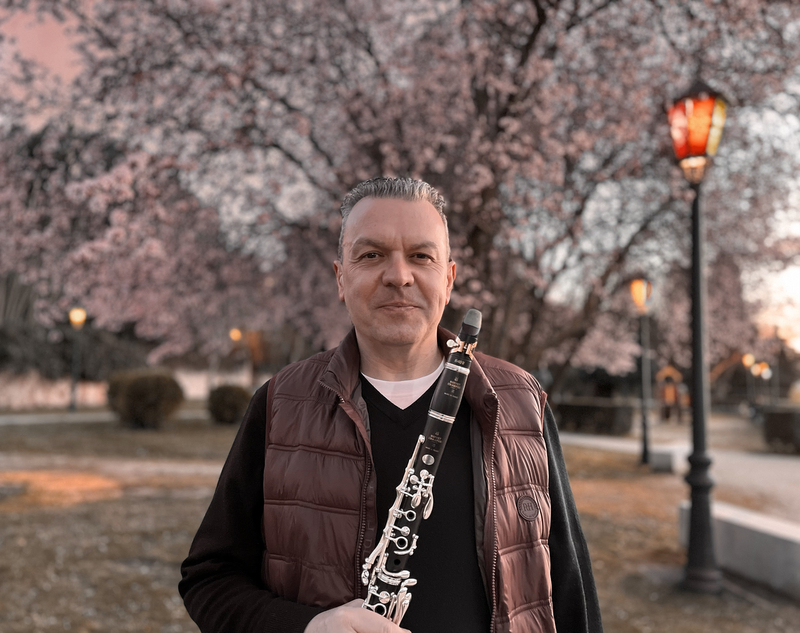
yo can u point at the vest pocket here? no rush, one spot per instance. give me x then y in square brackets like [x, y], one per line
[316, 585]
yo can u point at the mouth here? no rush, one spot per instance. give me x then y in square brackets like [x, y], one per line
[396, 305]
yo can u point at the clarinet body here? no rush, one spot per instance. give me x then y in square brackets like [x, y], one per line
[384, 572]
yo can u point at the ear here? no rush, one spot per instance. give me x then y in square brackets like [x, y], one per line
[338, 270]
[451, 278]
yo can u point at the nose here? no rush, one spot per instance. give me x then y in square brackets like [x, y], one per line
[397, 272]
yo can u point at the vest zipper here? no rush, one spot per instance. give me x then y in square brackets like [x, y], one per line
[494, 517]
[362, 529]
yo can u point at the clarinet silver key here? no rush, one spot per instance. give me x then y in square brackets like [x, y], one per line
[384, 572]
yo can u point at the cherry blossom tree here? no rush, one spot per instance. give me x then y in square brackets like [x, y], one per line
[730, 315]
[542, 121]
[129, 244]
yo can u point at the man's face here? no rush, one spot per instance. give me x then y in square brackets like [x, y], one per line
[394, 276]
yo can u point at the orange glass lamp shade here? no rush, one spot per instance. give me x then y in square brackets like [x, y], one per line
[696, 121]
[641, 289]
[748, 360]
[235, 334]
[77, 317]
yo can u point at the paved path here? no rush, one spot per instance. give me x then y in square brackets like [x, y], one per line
[124, 469]
[737, 459]
[92, 415]
[56, 417]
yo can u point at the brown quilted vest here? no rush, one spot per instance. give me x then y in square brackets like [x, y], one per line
[320, 520]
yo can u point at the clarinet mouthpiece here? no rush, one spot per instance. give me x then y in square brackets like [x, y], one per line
[472, 322]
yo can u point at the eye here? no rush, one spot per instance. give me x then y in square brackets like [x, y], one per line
[370, 255]
[422, 256]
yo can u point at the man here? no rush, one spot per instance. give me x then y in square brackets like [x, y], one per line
[307, 486]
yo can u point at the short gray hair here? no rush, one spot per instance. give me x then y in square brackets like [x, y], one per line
[396, 189]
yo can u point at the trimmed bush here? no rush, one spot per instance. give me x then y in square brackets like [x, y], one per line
[144, 398]
[599, 416]
[227, 403]
[782, 428]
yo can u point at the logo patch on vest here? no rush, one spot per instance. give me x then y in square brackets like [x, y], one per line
[528, 508]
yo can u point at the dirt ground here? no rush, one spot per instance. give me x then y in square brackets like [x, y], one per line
[95, 520]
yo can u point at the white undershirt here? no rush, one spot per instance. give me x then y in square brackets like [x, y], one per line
[403, 393]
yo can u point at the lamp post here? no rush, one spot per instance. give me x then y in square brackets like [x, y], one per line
[762, 370]
[696, 121]
[248, 340]
[766, 375]
[748, 360]
[77, 317]
[641, 289]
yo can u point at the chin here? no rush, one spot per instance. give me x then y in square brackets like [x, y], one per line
[396, 334]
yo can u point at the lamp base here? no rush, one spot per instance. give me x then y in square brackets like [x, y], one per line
[699, 580]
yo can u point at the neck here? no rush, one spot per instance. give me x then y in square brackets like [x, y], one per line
[387, 362]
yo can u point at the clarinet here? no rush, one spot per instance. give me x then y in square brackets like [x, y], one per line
[384, 572]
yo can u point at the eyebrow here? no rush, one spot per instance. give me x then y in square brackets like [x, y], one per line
[369, 242]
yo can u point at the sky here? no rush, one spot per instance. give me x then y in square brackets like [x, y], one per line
[46, 41]
[42, 40]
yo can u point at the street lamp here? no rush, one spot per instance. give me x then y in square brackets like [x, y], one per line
[766, 375]
[696, 121]
[641, 289]
[748, 360]
[250, 341]
[77, 317]
[764, 371]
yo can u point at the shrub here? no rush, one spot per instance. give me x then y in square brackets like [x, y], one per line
[782, 429]
[144, 398]
[227, 403]
[600, 416]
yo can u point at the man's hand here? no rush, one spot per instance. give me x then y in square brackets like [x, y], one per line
[351, 618]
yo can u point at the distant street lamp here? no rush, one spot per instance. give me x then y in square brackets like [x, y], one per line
[767, 374]
[696, 121]
[77, 317]
[248, 340]
[641, 289]
[764, 371]
[747, 361]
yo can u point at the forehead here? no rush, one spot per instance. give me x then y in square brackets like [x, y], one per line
[395, 221]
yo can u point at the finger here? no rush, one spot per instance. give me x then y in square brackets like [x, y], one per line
[354, 604]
